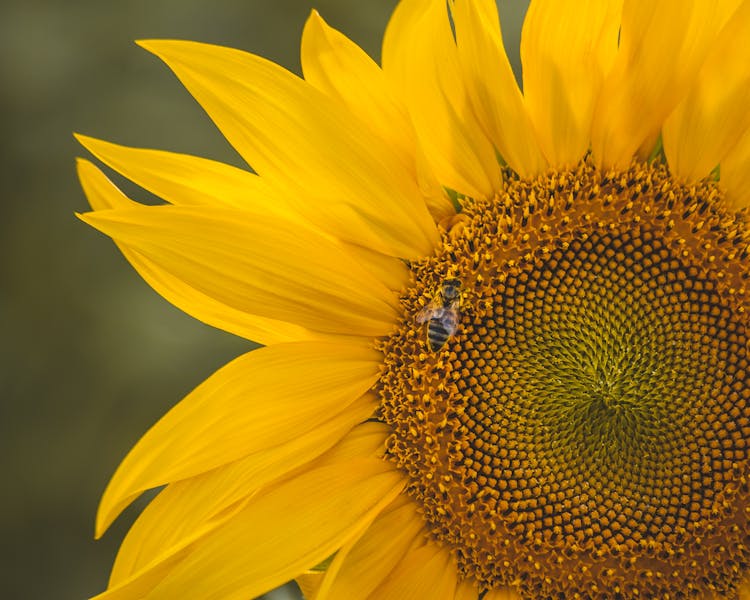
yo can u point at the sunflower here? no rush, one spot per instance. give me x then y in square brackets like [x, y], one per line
[505, 334]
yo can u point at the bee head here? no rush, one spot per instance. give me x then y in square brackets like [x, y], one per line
[451, 288]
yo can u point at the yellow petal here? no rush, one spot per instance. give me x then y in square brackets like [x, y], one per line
[100, 192]
[492, 86]
[257, 264]
[183, 510]
[140, 585]
[392, 271]
[567, 48]
[338, 67]
[662, 46]
[735, 173]
[284, 531]
[180, 514]
[309, 583]
[190, 180]
[365, 440]
[428, 572]
[103, 194]
[359, 569]
[171, 176]
[467, 590]
[261, 399]
[335, 65]
[421, 59]
[708, 123]
[744, 588]
[302, 141]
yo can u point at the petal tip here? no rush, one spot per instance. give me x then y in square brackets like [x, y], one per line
[315, 25]
[157, 47]
[90, 143]
[167, 47]
[83, 139]
[83, 165]
[81, 216]
[103, 520]
[147, 44]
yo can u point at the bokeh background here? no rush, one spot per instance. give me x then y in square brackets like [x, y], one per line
[91, 356]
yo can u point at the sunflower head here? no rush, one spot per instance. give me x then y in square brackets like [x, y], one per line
[582, 429]
[505, 333]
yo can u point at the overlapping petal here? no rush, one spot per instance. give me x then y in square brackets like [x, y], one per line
[276, 536]
[102, 194]
[359, 569]
[467, 590]
[335, 65]
[263, 399]
[338, 67]
[661, 49]
[492, 88]
[309, 583]
[707, 125]
[567, 49]
[141, 584]
[426, 572]
[189, 180]
[272, 537]
[421, 59]
[744, 589]
[297, 137]
[735, 173]
[256, 264]
[188, 508]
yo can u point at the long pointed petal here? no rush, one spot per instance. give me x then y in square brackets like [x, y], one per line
[182, 509]
[309, 583]
[567, 48]
[285, 531]
[259, 400]
[358, 453]
[358, 570]
[492, 87]
[102, 194]
[140, 585]
[421, 59]
[708, 123]
[428, 572]
[280, 270]
[735, 173]
[466, 590]
[292, 134]
[190, 180]
[662, 46]
[338, 67]
[180, 514]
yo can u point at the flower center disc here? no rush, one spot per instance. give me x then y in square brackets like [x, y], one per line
[584, 431]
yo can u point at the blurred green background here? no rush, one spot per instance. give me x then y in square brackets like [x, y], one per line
[91, 355]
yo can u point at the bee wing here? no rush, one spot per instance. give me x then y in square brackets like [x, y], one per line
[428, 312]
[449, 321]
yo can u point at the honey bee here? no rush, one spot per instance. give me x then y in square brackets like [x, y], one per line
[442, 314]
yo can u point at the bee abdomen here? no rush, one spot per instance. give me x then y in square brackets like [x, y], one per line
[437, 335]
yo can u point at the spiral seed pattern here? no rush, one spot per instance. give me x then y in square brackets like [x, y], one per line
[585, 432]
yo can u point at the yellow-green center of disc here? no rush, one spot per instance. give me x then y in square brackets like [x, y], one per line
[584, 432]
